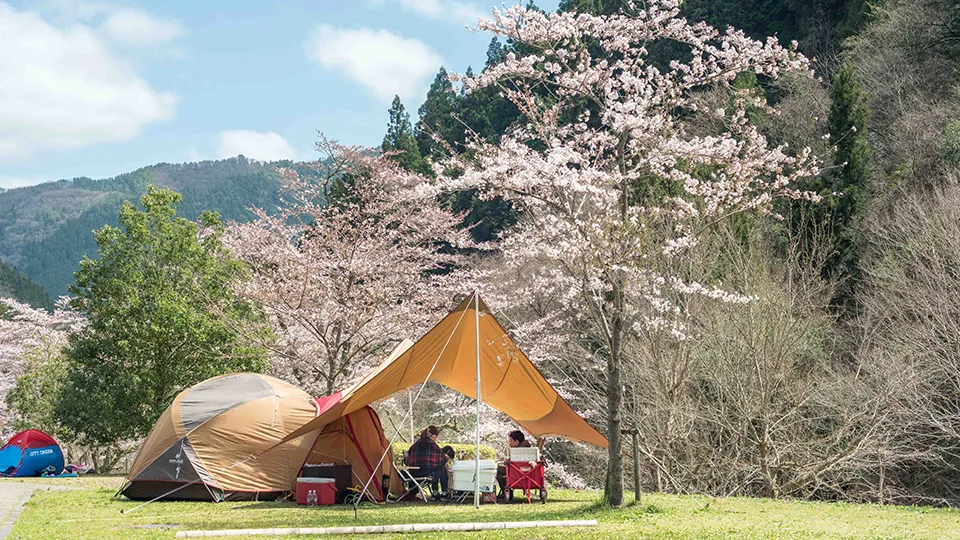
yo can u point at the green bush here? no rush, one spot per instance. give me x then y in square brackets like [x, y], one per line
[462, 451]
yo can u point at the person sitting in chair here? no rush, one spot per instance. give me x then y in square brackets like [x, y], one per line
[426, 455]
[515, 439]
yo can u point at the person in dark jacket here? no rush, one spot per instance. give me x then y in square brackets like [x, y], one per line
[425, 454]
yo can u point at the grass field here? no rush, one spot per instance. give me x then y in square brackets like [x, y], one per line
[93, 512]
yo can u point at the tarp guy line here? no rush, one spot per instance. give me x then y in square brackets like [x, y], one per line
[419, 391]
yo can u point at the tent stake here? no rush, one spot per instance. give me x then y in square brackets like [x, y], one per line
[476, 474]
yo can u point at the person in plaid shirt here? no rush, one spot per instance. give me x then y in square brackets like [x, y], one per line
[426, 454]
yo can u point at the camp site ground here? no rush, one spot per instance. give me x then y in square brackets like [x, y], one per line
[92, 511]
[232, 445]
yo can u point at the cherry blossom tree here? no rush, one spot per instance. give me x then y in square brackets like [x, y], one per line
[356, 260]
[24, 329]
[612, 175]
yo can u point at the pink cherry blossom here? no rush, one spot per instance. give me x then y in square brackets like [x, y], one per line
[343, 283]
[23, 328]
[616, 179]
[632, 127]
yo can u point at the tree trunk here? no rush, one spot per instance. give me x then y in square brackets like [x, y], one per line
[882, 475]
[770, 486]
[613, 487]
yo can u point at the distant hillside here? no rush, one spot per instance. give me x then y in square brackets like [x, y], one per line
[46, 229]
[15, 284]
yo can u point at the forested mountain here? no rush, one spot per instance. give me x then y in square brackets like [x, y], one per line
[45, 230]
[15, 284]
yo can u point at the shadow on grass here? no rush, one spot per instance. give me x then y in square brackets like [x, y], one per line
[595, 507]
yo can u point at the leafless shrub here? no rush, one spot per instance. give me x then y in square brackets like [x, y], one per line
[910, 329]
[761, 402]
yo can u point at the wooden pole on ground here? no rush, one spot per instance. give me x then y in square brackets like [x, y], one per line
[374, 529]
[636, 461]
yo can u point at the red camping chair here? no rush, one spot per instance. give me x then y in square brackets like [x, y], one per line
[527, 476]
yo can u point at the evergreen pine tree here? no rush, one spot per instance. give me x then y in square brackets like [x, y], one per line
[495, 53]
[848, 133]
[851, 175]
[400, 138]
[469, 73]
[488, 114]
[435, 116]
[598, 7]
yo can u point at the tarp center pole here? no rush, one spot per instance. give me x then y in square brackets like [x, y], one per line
[413, 436]
[476, 476]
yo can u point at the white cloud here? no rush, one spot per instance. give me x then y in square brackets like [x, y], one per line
[140, 29]
[65, 87]
[10, 182]
[267, 146]
[385, 63]
[452, 10]
[121, 25]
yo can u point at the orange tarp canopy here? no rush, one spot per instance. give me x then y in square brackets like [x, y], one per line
[509, 382]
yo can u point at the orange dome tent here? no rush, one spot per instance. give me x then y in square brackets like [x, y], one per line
[221, 440]
[218, 440]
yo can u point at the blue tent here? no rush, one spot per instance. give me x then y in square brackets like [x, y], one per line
[30, 453]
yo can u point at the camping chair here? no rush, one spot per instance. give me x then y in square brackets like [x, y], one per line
[411, 475]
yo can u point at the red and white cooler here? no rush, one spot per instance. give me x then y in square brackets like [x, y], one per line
[316, 491]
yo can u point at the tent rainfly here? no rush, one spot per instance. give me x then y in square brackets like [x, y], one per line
[447, 354]
[218, 441]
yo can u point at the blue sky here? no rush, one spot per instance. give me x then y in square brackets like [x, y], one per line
[97, 88]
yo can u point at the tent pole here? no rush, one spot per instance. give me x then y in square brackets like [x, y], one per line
[476, 474]
[413, 436]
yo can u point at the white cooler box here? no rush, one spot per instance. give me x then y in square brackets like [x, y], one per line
[525, 454]
[463, 472]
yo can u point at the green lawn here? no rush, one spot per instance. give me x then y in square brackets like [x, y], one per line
[92, 512]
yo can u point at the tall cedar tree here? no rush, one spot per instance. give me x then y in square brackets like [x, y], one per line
[451, 116]
[596, 7]
[496, 53]
[436, 116]
[851, 178]
[161, 316]
[400, 139]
